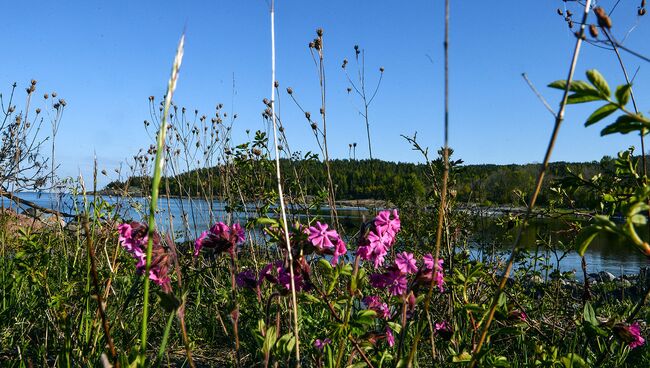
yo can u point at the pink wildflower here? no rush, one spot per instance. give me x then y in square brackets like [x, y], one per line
[389, 337]
[395, 281]
[630, 334]
[384, 224]
[444, 330]
[320, 344]
[134, 239]
[220, 237]
[406, 262]
[375, 303]
[339, 250]
[322, 238]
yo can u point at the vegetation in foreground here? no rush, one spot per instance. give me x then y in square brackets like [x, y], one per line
[401, 290]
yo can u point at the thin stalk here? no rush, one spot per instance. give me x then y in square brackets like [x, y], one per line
[296, 327]
[158, 168]
[540, 179]
[445, 179]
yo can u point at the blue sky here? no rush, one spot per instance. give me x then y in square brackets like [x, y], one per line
[106, 57]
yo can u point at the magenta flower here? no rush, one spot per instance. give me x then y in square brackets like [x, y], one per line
[320, 344]
[322, 238]
[134, 239]
[444, 330]
[246, 279]
[630, 334]
[375, 303]
[374, 249]
[339, 250]
[389, 337]
[394, 280]
[406, 262]
[384, 223]
[517, 315]
[220, 237]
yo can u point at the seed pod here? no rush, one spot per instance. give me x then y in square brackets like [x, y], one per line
[570, 23]
[276, 84]
[322, 110]
[46, 96]
[314, 126]
[319, 32]
[568, 13]
[307, 115]
[289, 90]
[603, 19]
[559, 11]
[33, 82]
[349, 89]
[641, 12]
[38, 111]
[593, 31]
[381, 69]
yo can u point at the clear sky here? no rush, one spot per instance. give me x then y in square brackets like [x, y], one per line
[106, 57]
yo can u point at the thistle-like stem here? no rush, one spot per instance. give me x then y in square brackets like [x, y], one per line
[559, 117]
[157, 174]
[294, 304]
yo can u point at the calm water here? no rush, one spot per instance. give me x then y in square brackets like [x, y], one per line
[604, 254]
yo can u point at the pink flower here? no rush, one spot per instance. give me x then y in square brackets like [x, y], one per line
[384, 224]
[220, 237]
[339, 250]
[373, 249]
[389, 337]
[444, 330]
[406, 262]
[134, 239]
[375, 303]
[517, 315]
[394, 280]
[320, 344]
[630, 334]
[322, 238]
[246, 279]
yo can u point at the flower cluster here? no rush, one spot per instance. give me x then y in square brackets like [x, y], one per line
[133, 238]
[221, 238]
[381, 236]
[395, 276]
[276, 273]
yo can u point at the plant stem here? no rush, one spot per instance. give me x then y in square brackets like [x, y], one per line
[296, 327]
[158, 168]
[540, 179]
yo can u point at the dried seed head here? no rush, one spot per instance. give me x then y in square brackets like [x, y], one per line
[12, 109]
[593, 31]
[314, 126]
[559, 11]
[311, 45]
[354, 144]
[257, 152]
[196, 112]
[603, 19]
[33, 82]
[643, 3]
[319, 32]
[234, 116]
[281, 129]
[280, 148]
[276, 84]
[53, 94]
[580, 35]
[56, 106]
[322, 111]
[104, 172]
[151, 98]
[62, 102]
[317, 43]
[349, 89]
[46, 96]
[381, 69]
[641, 12]
[570, 23]
[183, 110]
[568, 13]
[38, 110]
[345, 63]
[289, 90]
[307, 115]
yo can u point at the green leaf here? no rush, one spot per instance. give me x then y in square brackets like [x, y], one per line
[269, 339]
[462, 357]
[577, 98]
[585, 237]
[623, 94]
[601, 113]
[558, 84]
[599, 82]
[624, 125]
[589, 315]
[583, 88]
